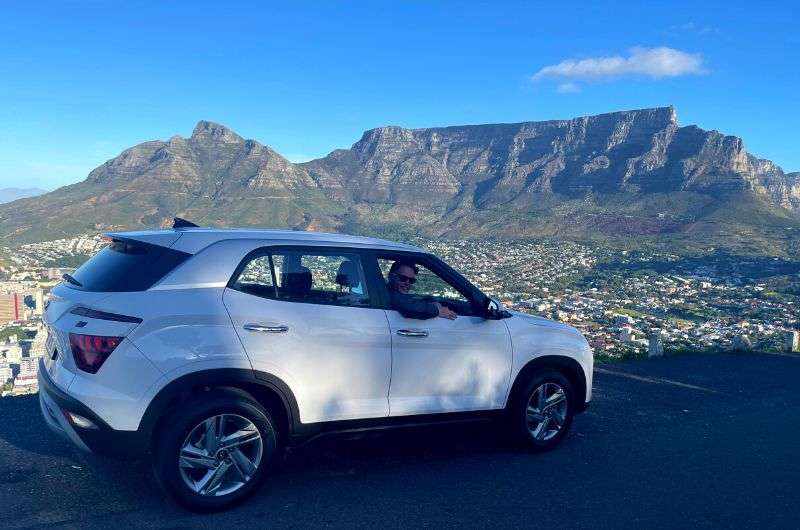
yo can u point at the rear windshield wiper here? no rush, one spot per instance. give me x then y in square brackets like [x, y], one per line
[71, 280]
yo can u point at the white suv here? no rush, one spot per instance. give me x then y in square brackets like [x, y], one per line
[210, 350]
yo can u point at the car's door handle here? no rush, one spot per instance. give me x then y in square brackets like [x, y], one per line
[412, 332]
[266, 329]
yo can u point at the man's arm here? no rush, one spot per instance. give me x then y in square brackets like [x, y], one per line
[411, 308]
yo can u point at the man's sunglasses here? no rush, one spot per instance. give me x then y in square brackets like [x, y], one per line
[405, 279]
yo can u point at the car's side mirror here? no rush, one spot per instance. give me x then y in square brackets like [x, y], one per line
[494, 309]
[495, 304]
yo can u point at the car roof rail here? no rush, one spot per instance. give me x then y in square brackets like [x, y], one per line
[178, 222]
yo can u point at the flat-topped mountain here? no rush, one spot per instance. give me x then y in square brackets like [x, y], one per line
[621, 174]
[642, 151]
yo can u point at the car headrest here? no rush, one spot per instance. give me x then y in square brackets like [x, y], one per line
[347, 275]
[297, 282]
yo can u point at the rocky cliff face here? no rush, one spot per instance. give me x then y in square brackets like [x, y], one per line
[630, 172]
[643, 151]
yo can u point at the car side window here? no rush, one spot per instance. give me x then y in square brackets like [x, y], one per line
[256, 278]
[430, 286]
[306, 275]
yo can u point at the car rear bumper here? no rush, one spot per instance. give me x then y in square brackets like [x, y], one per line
[97, 437]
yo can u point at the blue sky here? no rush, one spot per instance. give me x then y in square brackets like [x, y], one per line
[81, 81]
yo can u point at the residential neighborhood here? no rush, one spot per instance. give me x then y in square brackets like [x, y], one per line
[631, 304]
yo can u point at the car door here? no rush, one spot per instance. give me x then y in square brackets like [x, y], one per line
[306, 315]
[441, 365]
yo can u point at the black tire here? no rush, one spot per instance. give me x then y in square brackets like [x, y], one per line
[518, 411]
[175, 429]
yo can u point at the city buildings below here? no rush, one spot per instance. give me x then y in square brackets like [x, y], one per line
[11, 308]
[39, 344]
[26, 381]
[11, 350]
[39, 302]
[6, 373]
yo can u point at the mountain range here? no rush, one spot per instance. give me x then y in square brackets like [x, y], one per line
[626, 176]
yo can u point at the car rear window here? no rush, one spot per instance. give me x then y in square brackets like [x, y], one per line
[125, 266]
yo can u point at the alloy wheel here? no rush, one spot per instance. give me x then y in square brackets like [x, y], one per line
[546, 412]
[220, 455]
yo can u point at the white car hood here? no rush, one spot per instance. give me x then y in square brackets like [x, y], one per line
[541, 321]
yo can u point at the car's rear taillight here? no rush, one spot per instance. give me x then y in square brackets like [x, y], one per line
[91, 351]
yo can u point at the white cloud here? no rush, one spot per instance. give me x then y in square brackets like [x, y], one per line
[652, 62]
[691, 27]
[568, 88]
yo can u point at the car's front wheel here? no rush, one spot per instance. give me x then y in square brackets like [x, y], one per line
[214, 452]
[542, 412]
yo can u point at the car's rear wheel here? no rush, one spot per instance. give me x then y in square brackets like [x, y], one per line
[541, 414]
[214, 451]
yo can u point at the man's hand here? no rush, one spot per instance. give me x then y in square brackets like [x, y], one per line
[446, 312]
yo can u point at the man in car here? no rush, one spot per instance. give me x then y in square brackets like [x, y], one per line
[402, 275]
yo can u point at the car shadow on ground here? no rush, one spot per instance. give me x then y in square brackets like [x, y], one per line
[397, 447]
